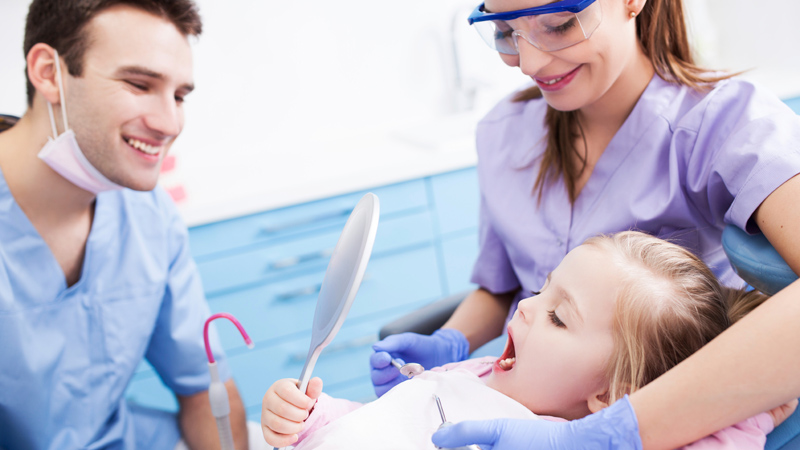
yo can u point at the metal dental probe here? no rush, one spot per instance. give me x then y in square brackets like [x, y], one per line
[445, 424]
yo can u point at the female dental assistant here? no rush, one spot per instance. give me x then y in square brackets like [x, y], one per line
[621, 130]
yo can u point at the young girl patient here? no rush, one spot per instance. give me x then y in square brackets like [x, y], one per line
[615, 314]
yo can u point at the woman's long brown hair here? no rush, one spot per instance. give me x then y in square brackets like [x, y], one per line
[661, 30]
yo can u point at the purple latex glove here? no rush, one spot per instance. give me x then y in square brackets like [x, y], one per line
[443, 346]
[613, 428]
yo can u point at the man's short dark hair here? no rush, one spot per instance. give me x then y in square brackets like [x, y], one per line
[61, 24]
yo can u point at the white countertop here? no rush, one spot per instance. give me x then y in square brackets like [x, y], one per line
[282, 173]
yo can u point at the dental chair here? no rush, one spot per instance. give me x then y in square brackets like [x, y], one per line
[752, 257]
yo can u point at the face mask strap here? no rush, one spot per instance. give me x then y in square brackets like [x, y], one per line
[61, 97]
[52, 120]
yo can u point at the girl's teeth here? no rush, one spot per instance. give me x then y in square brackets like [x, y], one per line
[507, 364]
[146, 148]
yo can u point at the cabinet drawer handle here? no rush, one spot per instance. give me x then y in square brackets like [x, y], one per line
[269, 229]
[295, 260]
[308, 290]
[302, 292]
[358, 342]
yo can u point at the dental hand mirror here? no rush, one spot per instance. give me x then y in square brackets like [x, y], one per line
[342, 279]
[409, 370]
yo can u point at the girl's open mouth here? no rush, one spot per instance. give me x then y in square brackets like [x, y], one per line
[509, 356]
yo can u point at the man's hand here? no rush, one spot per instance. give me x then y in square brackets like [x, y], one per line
[198, 426]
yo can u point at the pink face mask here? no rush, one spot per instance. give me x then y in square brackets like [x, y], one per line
[63, 154]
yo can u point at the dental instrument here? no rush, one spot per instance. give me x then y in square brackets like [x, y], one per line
[408, 369]
[217, 394]
[445, 424]
[342, 279]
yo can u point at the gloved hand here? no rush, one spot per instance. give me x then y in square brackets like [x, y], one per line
[442, 347]
[614, 428]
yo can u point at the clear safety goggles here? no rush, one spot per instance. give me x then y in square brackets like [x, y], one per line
[550, 27]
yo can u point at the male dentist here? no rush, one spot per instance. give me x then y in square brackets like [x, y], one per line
[95, 270]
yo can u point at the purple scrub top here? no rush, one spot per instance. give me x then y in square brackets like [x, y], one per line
[684, 164]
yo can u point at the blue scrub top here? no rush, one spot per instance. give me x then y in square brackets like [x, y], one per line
[68, 353]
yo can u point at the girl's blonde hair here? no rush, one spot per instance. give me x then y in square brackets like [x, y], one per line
[668, 306]
[662, 35]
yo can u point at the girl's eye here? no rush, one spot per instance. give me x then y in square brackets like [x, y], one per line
[556, 321]
[535, 293]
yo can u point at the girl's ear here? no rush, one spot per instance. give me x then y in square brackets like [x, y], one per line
[42, 71]
[598, 401]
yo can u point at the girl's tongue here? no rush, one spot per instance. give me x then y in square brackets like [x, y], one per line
[508, 358]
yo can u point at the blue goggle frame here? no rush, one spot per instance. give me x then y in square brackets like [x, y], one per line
[573, 6]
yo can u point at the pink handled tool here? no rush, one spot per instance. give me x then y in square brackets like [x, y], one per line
[217, 394]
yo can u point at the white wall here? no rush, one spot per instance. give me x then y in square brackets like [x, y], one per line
[301, 66]
[12, 60]
[760, 37]
[285, 91]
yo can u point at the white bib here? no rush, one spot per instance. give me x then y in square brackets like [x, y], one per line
[406, 416]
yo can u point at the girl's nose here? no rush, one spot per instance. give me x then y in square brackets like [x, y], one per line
[526, 308]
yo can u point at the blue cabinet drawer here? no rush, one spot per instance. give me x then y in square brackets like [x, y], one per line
[310, 253]
[457, 200]
[290, 222]
[266, 263]
[286, 307]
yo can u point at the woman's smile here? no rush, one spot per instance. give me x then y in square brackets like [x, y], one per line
[558, 82]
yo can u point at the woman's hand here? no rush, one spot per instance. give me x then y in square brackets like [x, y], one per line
[612, 428]
[442, 347]
[284, 409]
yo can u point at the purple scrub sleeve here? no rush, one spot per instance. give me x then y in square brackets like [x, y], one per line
[682, 166]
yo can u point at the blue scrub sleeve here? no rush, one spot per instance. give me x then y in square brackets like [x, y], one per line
[177, 349]
[492, 270]
[756, 142]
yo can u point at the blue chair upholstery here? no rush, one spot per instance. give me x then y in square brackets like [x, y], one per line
[756, 261]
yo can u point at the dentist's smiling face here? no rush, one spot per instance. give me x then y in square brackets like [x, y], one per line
[127, 106]
[561, 340]
[587, 70]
